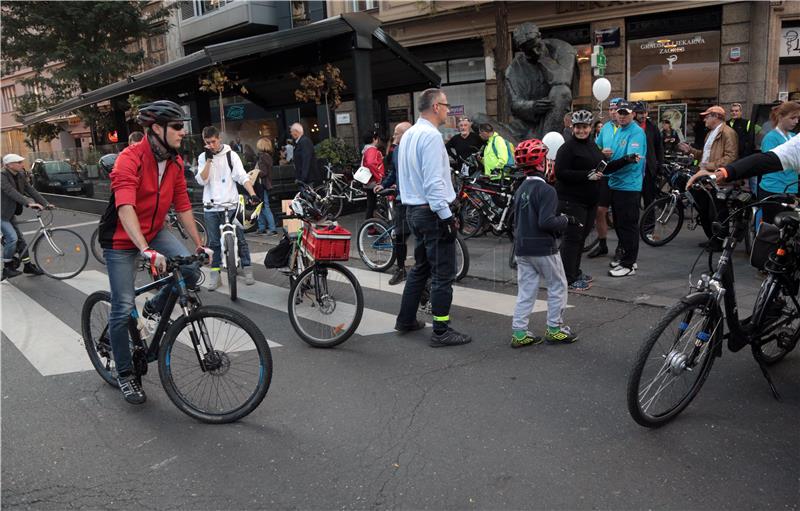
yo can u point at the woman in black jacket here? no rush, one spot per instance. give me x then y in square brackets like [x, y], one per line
[577, 177]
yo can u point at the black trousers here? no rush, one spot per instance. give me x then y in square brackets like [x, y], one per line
[400, 234]
[371, 201]
[574, 237]
[433, 257]
[649, 188]
[625, 208]
[706, 204]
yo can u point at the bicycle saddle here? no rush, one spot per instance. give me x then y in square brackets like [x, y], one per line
[388, 191]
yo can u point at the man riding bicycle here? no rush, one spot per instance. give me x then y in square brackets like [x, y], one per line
[146, 181]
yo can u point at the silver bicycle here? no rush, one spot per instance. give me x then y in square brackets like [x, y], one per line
[229, 238]
[59, 252]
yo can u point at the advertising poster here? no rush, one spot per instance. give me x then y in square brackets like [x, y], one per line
[675, 113]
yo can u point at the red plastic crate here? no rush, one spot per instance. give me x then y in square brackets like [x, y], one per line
[327, 243]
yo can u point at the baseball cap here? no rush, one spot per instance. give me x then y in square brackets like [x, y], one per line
[614, 102]
[624, 105]
[716, 109]
[12, 158]
[639, 107]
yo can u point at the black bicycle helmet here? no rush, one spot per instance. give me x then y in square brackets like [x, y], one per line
[107, 163]
[160, 112]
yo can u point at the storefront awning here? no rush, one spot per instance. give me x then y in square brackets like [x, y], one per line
[393, 67]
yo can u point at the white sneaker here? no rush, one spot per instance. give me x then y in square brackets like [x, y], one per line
[622, 271]
[248, 276]
[214, 281]
[617, 264]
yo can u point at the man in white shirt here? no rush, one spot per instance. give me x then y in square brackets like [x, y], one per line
[219, 170]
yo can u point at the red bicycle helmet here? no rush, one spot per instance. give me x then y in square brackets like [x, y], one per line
[530, 154]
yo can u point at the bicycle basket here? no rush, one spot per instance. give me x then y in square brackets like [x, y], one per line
[327, 243]
[278, 256]
[765, 244]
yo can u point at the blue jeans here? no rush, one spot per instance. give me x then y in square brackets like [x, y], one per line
[265, 219]
[10, 240]
[121, 266]
[213, 220]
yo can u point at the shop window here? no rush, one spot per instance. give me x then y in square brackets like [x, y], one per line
[466, 70]
[363, 5]
[674, 67]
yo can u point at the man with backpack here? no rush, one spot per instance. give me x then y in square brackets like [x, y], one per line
[498, 153]
[220, 170]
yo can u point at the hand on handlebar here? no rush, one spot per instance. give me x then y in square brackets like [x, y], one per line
[700, 174]
[207, 252]
[157, 261]
[377, 188]
[35, 205]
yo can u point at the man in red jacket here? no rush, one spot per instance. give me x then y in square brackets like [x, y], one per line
[146, 181]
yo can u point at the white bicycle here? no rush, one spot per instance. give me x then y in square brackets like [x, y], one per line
[229, 238]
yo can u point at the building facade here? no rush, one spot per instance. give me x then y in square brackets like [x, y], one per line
[678, 56]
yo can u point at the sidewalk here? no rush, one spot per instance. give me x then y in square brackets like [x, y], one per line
[662, 278]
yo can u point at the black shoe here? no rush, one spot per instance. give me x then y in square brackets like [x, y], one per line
[10, 272]
[32, 269]
[599, 250]
[418, 325]
[149, 312]
[398, 277]
[449, 338]
[131, 389]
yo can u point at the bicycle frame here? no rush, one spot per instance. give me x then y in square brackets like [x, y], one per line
[42, 231]
[351, 193]
[228, 228]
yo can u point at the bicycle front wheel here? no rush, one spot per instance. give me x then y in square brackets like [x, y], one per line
[375, 245]
[471, 220]
[97, 250]
[60, 253]
[325, 305]
[215, 365]
[462, 259]
[661, 221]
[674, 361]
[230, 261]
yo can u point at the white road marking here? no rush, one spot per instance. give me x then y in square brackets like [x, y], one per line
[50, 345]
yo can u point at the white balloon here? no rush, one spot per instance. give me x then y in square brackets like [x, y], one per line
[552, 141]
[601, 89]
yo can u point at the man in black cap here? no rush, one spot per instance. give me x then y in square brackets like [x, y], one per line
[655, 152]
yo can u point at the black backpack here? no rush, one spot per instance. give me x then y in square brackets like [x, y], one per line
[278, 256]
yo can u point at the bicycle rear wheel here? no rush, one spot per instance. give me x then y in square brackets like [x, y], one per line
[462, 259]
[236, 371]
[325, 305]
[777, 320]
[230, 261]
[670, 367]
[331, 207]
[97, 250]
[471, 220]
[60, 253]
[661, 221]
[377, 249]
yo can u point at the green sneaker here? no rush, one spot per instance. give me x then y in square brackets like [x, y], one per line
[522, 338]
[559, 335]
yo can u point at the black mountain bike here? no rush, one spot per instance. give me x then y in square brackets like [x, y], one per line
[214, 363]
[676, 358]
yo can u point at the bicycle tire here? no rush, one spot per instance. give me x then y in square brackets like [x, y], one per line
[46, 258]
[683, 311]
[649, 231]
[97, 250]
[333, 206]
[298, 295]
[471, 221]
[94, 329]
[750, 233]
[170, 360]
[365, 245]
[771, 289]
[180, 233]
[591, 239]
[230, 261]
[462, 267]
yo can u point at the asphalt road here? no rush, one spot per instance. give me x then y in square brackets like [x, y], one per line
[384, 421]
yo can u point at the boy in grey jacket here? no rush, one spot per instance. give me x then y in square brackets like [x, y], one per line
[536, 242]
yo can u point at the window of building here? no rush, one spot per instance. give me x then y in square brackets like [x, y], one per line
[9, 99]
[464, 82]
[675, 67]
[363, 5]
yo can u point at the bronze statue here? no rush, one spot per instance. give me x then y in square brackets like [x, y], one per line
[539, 83]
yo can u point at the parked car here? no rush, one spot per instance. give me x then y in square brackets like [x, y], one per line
[59, 176]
